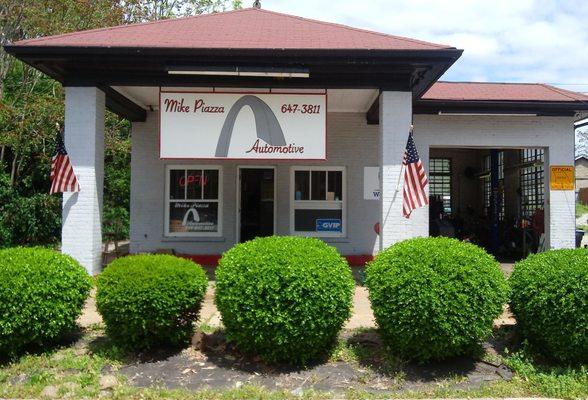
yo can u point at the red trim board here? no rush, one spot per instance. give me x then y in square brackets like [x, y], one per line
[212, 259]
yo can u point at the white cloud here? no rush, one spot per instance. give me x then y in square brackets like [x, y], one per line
[504, 40]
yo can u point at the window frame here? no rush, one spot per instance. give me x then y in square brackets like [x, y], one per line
[532, 180]
[433, 174]
[318, 204]
[487, 183]
[168, 201]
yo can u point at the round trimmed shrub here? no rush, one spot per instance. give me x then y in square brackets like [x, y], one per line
[550, 301]
[435, 298]
[147, 300]
[284, 298]
[42, 293]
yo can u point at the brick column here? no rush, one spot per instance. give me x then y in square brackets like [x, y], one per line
[395, 121]
[81, 232]
[560, 205]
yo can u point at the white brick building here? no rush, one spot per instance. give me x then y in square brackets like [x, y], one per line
[488, 148]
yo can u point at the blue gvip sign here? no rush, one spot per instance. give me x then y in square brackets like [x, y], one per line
[329, 225]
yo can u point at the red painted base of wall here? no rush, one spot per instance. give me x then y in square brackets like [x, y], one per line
[203, 259]
[359, 261]
[212, 259]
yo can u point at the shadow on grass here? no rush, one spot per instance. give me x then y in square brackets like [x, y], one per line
[226, 355]
[371, 353]
[66, 340]
[358, 275]
[103, 346]
[210, 271]
[505, 339]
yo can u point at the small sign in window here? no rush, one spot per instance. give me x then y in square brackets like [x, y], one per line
[329, 225]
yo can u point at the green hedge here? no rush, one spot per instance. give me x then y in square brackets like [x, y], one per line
[550, 301]
[284, 298]
[42, 293]
[147, 300]
[435, 298]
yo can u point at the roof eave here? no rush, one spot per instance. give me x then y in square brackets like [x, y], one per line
[401, 70]
[542, 108]
[426, 65]
[41, 50]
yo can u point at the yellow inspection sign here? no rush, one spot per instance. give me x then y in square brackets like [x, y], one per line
[562, 177]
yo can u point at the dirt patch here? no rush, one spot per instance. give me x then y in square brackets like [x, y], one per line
[220, 366]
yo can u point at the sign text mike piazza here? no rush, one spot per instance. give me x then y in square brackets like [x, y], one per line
[243, 125]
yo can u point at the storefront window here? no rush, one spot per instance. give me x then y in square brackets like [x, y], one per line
[440, 181]
[488, 184]
[302, 185]
[532, 177]
[193, 201]
[318, 204]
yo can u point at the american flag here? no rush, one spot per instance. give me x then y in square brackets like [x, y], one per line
[63, 178]
[415, 180]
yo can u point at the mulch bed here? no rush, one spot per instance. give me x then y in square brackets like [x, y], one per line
[214, 364]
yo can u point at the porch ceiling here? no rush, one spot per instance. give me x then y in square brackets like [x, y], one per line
[339, 100]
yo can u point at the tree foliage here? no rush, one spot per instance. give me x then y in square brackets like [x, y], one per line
[32, 104]
[142, 11]
[582, 142]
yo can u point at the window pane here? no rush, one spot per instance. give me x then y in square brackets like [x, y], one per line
[194, 180]
[267, 185]
[335, 190]
[318, 220]
[210, 182]
[177, 182]
[319, 185]
[301, 185]
[440, 165]
[186, 216]
[488, 185]
[440, 182]
[531, 181]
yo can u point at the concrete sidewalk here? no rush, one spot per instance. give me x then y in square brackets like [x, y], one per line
[209, 315]
[362, 315]
[362, 312]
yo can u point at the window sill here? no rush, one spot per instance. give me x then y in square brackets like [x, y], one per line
[184, 239]
[334, 239]
[327, 239]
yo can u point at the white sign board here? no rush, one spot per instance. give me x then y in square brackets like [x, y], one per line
[242, 125]
[371, 183]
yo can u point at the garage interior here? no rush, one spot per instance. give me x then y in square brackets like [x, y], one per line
[491, 197]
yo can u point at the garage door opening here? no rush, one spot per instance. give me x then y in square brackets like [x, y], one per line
[494, 198]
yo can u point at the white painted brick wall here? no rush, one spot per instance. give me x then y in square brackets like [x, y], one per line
[555, 134]
[395, 121]
[352, 144]
[81, 233]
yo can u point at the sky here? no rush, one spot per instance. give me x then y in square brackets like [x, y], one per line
[503, 41]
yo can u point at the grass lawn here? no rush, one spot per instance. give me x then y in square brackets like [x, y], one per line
[581, 209]
[75, 371]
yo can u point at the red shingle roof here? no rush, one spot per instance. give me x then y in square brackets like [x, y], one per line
[241, 29]
[481, 91]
